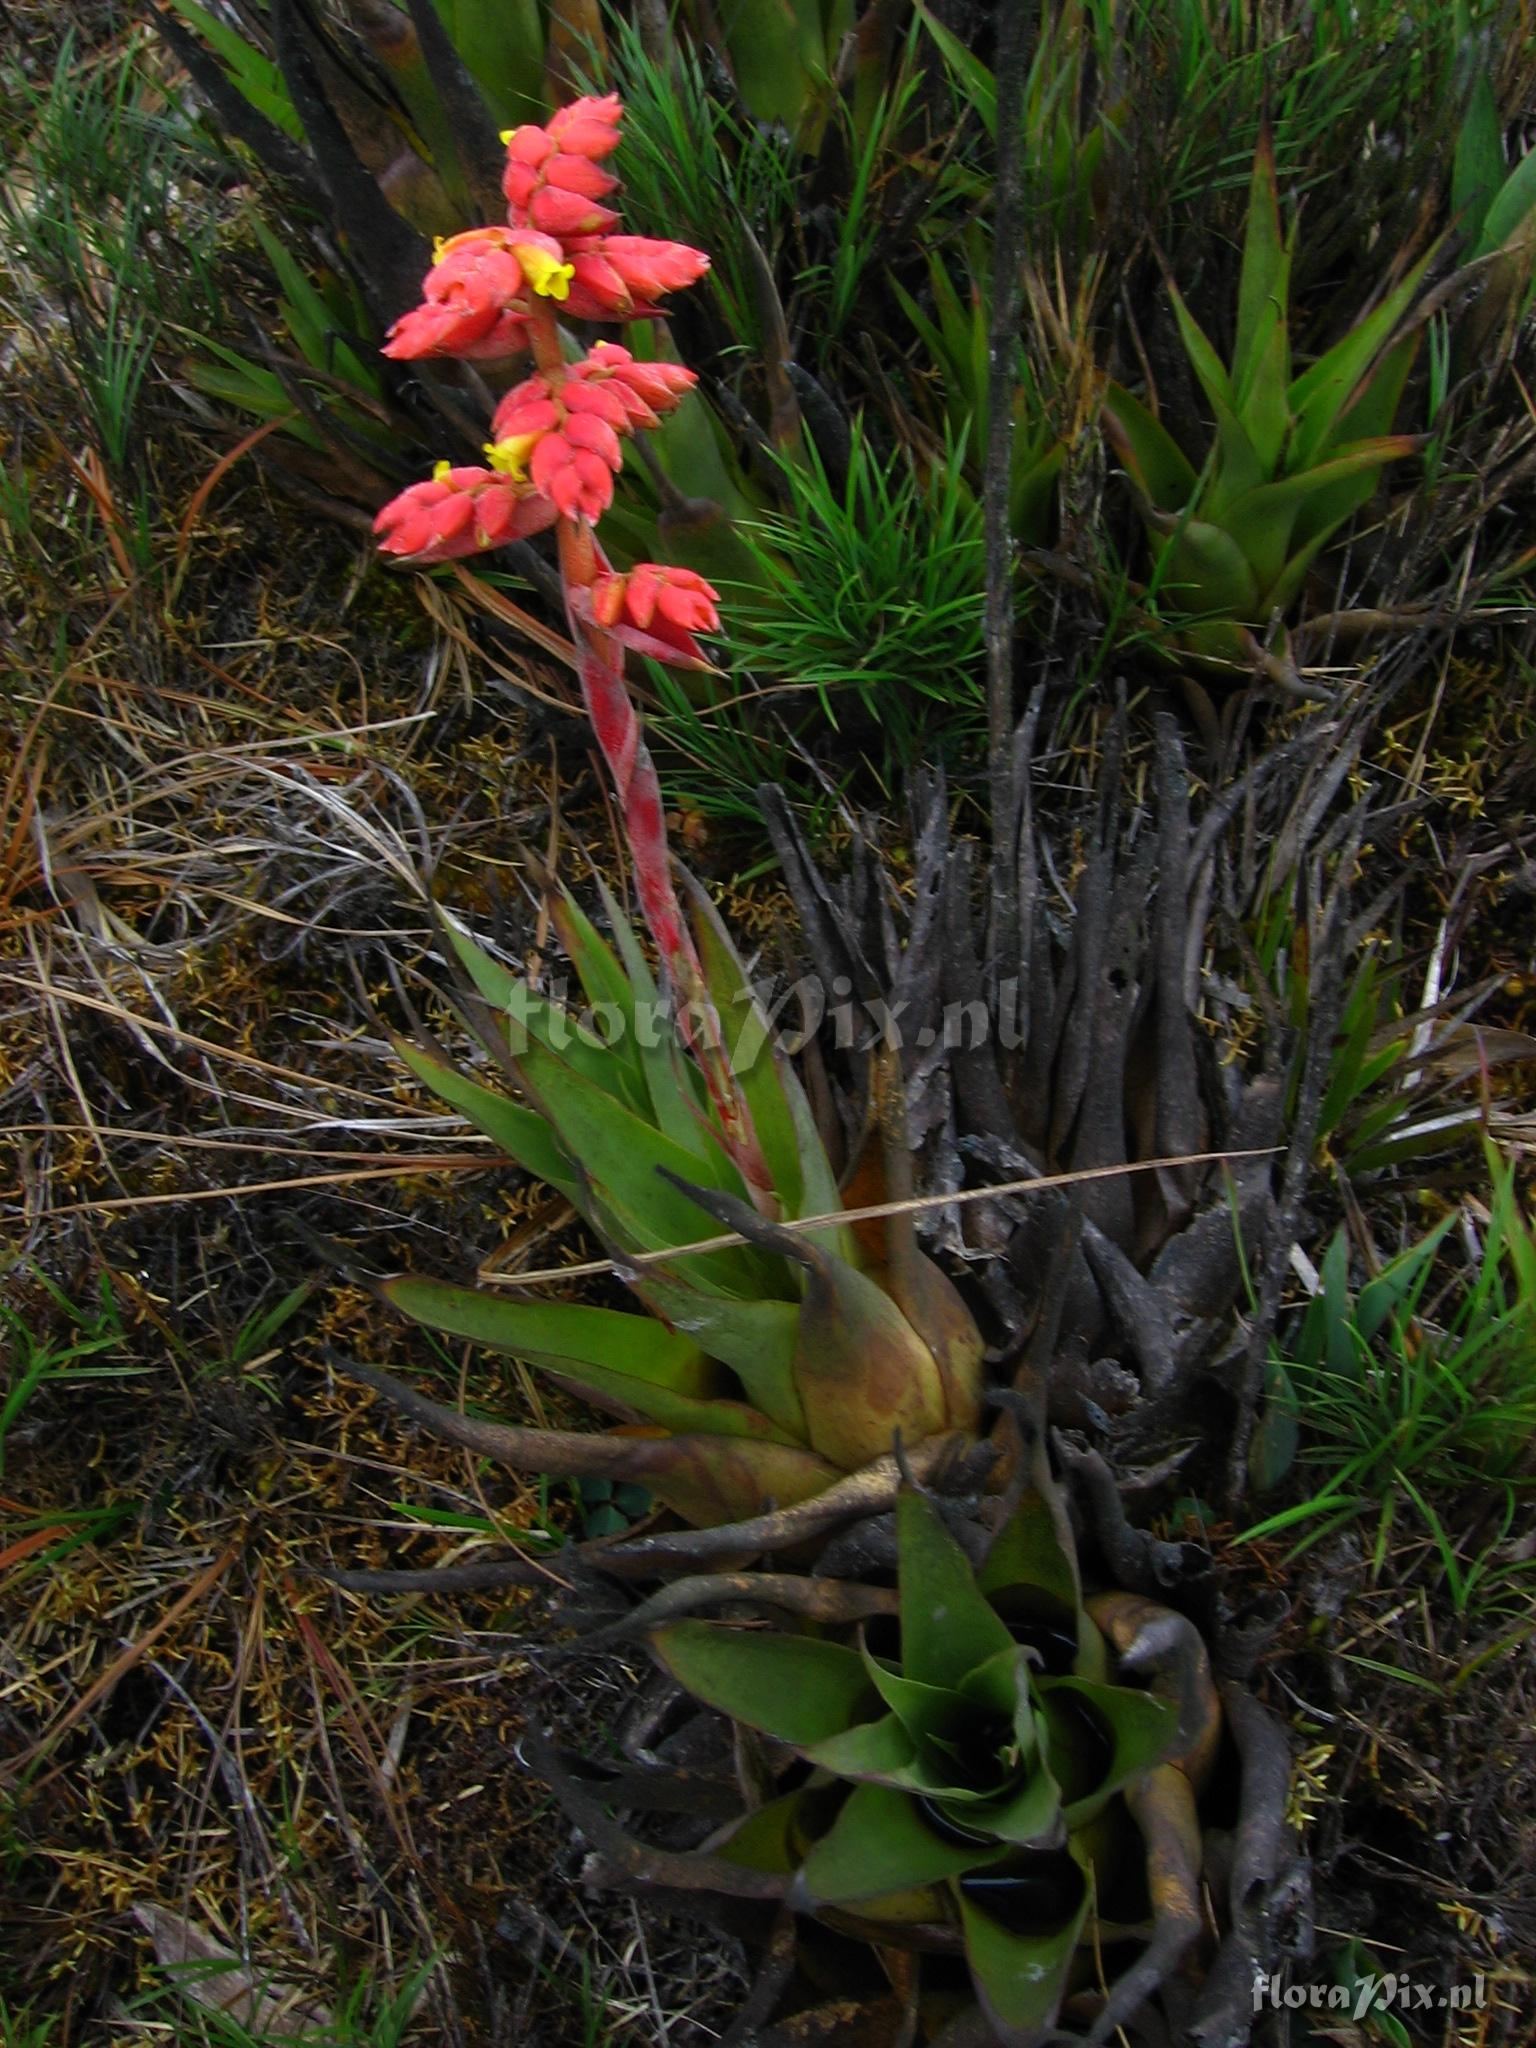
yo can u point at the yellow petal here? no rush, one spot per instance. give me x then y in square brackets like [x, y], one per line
[511, 456]
[550, 278]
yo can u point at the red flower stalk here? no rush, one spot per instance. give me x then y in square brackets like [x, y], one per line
[555, 451]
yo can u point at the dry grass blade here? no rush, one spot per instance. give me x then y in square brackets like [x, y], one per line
[212, 1975]
[122, 1664]
[914, 1205]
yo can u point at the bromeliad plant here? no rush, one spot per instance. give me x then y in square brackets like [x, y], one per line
[1014, 1776]
[1295, 455]
[784, 1359]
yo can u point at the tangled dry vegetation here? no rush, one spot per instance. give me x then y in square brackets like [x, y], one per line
[241, 762]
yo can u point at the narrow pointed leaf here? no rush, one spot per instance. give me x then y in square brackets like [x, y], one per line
[621, 1156]
[254, 74]
[523, 1134]
[977, 83]
[1370, 418]
[532, 1018]
[705, 1479]
[503, 49]
[628, 1361]
[676, 1095]
[1509, 209]
[1261, 291]
[1262, 522]
[927, 1712]
[1263, 400]
[603, 980]
[1034, 1550]
[1320, 395]
[1239, 469]
[1478, 171]
[637, 1347]
[797, 1163]
[1156, 463]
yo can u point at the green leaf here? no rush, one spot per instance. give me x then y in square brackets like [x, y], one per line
[1034, 1552]
[947, 1627]
[1261, 292]
[1262, 399]
[1141, 1731]
[620, 1158]
[1203, 569]
[635, 1347]
[927, 1712]
[1002, 1685]
[769, 1838]
[755, 1338]
[1478, 171]
[1020, 1977]
[776, 52]
[604, 982]
[976, 81]
[523, 1134]
[1261, 521]
[530, 1017]
[628, 1360]
[880, 1751]
[797, 1162]
[1329, 1319]
[255, 75]
[1320, 395]
[309, 319]
[1510, 208]
[1395, 1290]
[673, 1085]
[878, 1844]
[1028, 1816]
[1272, 1448]
[1239, 468]
[794, 1687]
[503, 49]
[250, 386]
[1154, 460]
[1369, 418]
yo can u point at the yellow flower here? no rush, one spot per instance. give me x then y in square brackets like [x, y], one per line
[550, 278]
[511, 456]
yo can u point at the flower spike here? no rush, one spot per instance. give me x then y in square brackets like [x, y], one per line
[556, 445]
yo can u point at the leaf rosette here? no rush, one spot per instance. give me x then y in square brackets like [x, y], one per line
[764, 1369]
[1294, 455]
[988, 1783]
